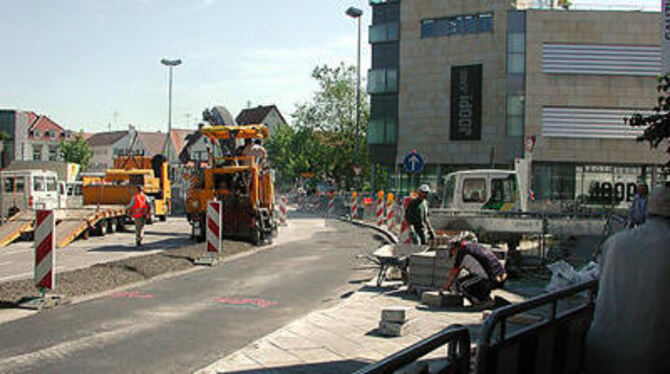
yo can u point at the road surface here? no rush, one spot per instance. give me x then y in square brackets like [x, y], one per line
[181, 324]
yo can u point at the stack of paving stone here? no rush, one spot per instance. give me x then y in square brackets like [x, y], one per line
[394, 321]
[429, 270]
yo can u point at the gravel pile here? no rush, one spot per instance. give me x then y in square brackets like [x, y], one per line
[110, 275]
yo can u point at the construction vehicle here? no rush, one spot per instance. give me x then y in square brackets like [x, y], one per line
[245, 189]
[104, 199]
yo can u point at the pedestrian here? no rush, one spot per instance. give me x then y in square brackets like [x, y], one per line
[139, 210]
[416, 216]
[485, 272]
[638, 209]
[630, 332]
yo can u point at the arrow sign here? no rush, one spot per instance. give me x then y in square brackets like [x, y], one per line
[413, 162]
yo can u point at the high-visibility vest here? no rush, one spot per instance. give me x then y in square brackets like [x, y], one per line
[139, 208]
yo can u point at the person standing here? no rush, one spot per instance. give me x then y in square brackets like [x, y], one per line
[417, 215]
[630, 332]
[638, 210]
[485, 272]
[139, 210]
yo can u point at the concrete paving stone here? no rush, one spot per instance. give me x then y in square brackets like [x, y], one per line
[235, 362]
[291, 343]
[396, 314]
[313, 355]
[268, 354]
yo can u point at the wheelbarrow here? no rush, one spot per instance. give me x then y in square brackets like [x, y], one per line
[394, 256]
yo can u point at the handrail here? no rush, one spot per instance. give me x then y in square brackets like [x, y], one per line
[458, 338]
[499, 316]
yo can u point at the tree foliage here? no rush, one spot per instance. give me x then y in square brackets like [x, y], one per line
[323, 139]
[657, 124]
[76, 150]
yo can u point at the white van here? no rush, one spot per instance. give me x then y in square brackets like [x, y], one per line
[31, 189]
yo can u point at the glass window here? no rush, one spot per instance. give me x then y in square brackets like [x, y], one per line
[37, 152]
[38, 184]
[51, 184]
[464, 24]
[53, 153]
[474, 190]
[391, 80]
[516, 43]
[386, 32]
[503, 190]
[20, 184]
[391, 132]
[376, 79]
[9, 184]
[516, 63]
[375, 132]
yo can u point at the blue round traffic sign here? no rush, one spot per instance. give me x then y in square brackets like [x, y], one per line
[413, 162]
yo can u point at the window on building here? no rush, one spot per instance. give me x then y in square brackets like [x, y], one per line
[37, 152]
[474, 190]
[515, 115]
[38, 184]
[382, 131]
[51, 134]
[53, 153]
[457, 25]
[385, 32]
[383, 80]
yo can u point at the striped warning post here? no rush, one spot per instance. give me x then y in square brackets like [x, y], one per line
[380, 209]
[405, 236]
[283, 203]
[354, 206]
[214, 229]
[331, 204]
[390, 222]
[45, 255]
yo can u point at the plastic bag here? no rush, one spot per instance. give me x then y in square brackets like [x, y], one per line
[564, 275]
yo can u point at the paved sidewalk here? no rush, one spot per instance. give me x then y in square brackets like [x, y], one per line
[343, 338]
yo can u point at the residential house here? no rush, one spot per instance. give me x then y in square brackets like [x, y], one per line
[29, 136]
[268, 115]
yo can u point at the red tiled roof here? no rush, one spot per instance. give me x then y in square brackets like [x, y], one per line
[179, 138]
[44, 124]
[153, 141]
[105, 138]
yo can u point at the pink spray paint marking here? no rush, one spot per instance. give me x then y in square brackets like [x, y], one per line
[238, 301]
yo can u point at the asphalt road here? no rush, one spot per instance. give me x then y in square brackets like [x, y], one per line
[184, 323]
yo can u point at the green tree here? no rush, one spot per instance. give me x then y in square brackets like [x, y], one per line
[76, 150]
[657, 124]
[329, 121]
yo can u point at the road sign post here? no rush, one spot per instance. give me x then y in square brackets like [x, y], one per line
[413, 164]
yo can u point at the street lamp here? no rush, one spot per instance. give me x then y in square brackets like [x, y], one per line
[356, 14]
[170, 64]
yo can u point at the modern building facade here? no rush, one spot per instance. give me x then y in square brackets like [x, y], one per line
[482, 82]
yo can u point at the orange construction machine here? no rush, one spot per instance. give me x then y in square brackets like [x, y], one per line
[245, 188]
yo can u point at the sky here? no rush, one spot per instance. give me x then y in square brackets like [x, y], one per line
[94, 65]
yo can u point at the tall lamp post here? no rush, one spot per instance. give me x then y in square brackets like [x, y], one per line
[356, 14]
[170, 64]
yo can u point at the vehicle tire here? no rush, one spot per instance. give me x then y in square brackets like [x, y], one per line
[162, 218]
[256, 237]
[112, 225]
[201, 237]
[120, 225]
[101, 228]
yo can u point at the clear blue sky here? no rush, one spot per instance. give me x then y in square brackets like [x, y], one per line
[79, 61]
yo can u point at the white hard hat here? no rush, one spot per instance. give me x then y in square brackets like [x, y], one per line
[424, 188]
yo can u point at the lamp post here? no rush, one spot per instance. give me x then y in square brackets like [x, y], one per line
[356, 14]
[170, 64]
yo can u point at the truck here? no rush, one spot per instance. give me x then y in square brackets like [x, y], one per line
[245, 189]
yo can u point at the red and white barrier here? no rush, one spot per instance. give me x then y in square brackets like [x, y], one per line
[380, 209]
[354, 206]
[405, 236]
[390, 222]
[331, 205]
[45, 254]
[214, 226]
[283, 208]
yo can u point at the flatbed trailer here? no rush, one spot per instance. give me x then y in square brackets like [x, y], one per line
[70, 223]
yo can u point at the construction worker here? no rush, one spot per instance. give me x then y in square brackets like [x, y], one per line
[417, 216]
[139, 210]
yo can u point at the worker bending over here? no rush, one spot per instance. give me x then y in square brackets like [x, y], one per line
[254, 150]
[485, 272]
[139, 210]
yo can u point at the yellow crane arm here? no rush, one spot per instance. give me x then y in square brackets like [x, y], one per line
[236, 132]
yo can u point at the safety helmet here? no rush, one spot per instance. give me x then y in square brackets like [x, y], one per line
[424, 188]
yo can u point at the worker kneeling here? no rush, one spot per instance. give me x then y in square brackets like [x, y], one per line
[139, 210]
[486, 273]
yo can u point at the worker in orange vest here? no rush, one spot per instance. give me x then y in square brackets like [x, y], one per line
[139, 210]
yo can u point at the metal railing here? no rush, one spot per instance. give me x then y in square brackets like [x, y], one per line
[489, 351]
[458, 353]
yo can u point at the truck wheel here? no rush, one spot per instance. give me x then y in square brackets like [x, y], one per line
[162, 218]
[256, 237]
[111, 225]
[101, 228]
[120, 225]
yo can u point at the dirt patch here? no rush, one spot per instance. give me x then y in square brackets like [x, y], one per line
[110, 275]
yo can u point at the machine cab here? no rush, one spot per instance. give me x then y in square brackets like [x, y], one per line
[482, 190]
